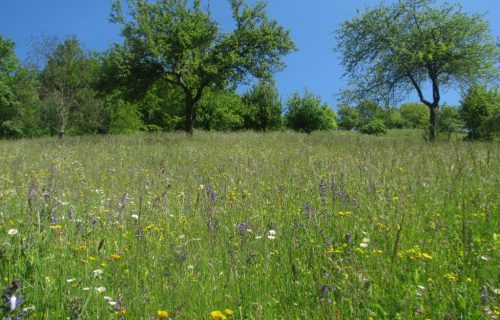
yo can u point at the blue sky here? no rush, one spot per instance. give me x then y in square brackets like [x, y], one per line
[311, 23]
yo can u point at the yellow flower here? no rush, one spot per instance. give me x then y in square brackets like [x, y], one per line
[217, 315]
[426, 256]
[229, 312]
[116, 256]
[452, 277]
[162, 314]
[56, 227]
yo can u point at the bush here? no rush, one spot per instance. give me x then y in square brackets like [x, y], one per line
[448, 120]
[479, 109]
[375, 127]
[307, 113]
[415, 115]
[263, 106]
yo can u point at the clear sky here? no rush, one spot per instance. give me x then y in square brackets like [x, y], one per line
[312, 24]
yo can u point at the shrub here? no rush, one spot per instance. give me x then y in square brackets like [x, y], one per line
[307, 113]
[375, 127]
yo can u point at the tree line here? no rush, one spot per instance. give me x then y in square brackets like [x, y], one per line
[176, 70]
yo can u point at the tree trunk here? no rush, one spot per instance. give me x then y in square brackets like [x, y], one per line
[190, 116]
[432, 123]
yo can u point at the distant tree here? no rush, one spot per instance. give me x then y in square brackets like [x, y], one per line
[392, 118]
[264, 107]
[348, 117]
[66, 84]
[479, 109]
[221, 111]
[415, 115]
[392, 50]
[8, 100]
[178, 42]
[368, 111]
[19, 101]
[448, 120]
[306, 113]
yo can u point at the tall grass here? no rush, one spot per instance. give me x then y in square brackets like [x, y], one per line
[270, 226]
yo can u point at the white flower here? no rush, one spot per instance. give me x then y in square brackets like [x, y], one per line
[363, 245]
[70, 280]
[12, 232]
[134, 216]
[100, 289]
[98, 272]
[107, 298]
[485, 258]
[86, 289]
[366, 240]
[272, 232]
[271, 237]
[258, 237]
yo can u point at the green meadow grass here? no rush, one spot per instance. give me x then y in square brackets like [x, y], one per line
[270, 226]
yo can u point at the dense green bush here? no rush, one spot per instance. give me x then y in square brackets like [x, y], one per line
[448, 120]
[306, 113]
[375, 127]
[263, 106]
[415, 115]
[479, 109]
[221, 111]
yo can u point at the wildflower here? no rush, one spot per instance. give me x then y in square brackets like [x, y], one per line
[98, 273]
[366, 240]
[271, 237]
[70, 280]
[217, 315]
[56, 227]
[426, 256]
[451, 277]
[134, 216]
[344, 213]
[485, 258]
[86, 289]
[100, 289]
[162, 314]
[363, 245]
[229, 312]
[116, 256]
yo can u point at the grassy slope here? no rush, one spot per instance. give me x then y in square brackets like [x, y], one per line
[365, 227]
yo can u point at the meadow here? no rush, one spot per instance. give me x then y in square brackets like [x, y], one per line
[249, 226]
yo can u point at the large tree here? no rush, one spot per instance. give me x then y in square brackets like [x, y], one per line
[65, 82]
[178, 41]
[412, 45]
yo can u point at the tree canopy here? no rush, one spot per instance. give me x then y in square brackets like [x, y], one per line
[177, 41]
[391, 50]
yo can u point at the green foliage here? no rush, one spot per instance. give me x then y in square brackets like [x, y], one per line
[479, 109]
[448, 120]
[348, 117]
[221, 111]
[415, 115]
[391, 50]
[306, 113]
[264, 107]
[368, 111]
[375, 127]
[392, 118]
[70, 102]
[19, 101]
[178, 42]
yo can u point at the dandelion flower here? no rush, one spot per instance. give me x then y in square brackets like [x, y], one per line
[116, 256]
[12, 232]
[162, 314]
[217, 315]
[229, 312]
